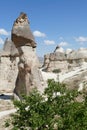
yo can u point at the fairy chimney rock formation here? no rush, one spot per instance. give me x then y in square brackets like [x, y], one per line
[9, 58]
[29, 75]
[10, 48]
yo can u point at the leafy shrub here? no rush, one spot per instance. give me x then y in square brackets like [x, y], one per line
[7, 123]
[56, 71]
[56, 109]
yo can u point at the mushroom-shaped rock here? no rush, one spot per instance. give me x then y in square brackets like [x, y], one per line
[21, 33]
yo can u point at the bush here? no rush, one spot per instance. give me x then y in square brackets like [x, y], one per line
[56, 71]
[56, 109]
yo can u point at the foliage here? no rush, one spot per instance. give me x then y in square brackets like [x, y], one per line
[56, 109]
[56, 71]
[7, 123]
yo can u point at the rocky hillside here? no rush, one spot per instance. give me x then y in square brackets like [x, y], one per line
[69, 66]
[65, 61]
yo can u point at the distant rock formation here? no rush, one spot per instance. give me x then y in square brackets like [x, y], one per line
[29, 75]
[10, 48]
[55, 60]
[70, 65]
[9, 58]
[64, 60]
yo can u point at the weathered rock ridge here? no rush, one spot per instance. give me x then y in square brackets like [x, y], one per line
[64, 60]
[72, 65]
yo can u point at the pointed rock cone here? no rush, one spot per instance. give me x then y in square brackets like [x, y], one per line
[21, 33]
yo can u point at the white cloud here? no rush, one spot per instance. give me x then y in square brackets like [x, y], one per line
[4, 32]
[63, 44]
[81, 39]
[1, 41]
[39, 34]
[49, 42]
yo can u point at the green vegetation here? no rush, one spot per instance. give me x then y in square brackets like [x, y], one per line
[56, 109]
[56, 71]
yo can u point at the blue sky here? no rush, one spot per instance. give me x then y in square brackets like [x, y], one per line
[53, 22]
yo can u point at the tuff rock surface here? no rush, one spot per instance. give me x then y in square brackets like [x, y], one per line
[72, 65]
[65, 60]
[29, 75]
[21, 33]
[9, 59]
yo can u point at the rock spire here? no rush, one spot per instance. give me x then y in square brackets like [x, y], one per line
[29, 75]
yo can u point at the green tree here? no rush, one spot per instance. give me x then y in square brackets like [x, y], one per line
[56, 109]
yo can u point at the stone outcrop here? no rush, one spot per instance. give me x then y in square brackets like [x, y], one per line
[64, 60]
[55, 60]
[21, 33]
[10, 48]
[9, 59]
[77, 81]
[72, 65]
[28, 67]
